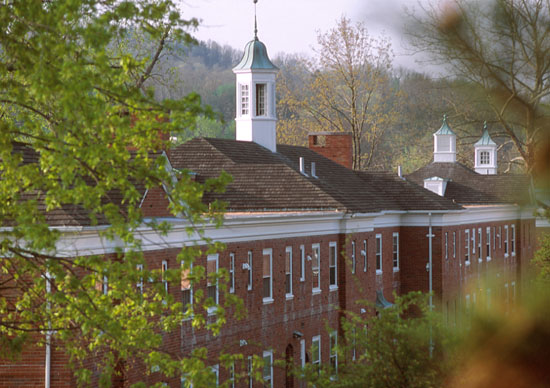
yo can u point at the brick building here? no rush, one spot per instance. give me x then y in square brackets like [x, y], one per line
[306, 237]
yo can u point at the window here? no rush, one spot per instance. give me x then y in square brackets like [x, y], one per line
[267, 278]
[302, 263]
[513, 240]
[232, 375]
[364, 253]
[316, 351]
[500, 237]
[505, 240]
[333, 353]
[454, 245]
[467, 246]
[185, 383]
[488, 243]
[396, 252]
[164, 268]
[244, 99]
[378, 253]
[212, 281]
[261, 99]
[249, 372]
[480, 239]
[288, 271]
[216, 370]
[268, 369]
[332, 263]
[484, 157]
[231, 272]
[494, 238]
[354, 344]
[105, 285]
[186, 290]
[474, 242]
[249, 279]
[303, 353]
[316, 267]
[353, 257]
[139, 285]
[446, 245]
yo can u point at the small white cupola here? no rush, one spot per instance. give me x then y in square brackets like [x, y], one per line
[444, 144]
[436, 185]
[256, 117]
[485, 154]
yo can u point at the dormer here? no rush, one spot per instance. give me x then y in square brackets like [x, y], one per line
[436, 185]
[485, 154]
[444, 144]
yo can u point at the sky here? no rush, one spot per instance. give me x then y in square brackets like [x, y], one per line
[291, 26]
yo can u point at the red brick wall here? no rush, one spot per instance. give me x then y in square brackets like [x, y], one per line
[337, 146]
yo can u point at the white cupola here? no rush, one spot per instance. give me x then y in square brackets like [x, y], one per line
[485, 154]
[256, 117]
[444, 144]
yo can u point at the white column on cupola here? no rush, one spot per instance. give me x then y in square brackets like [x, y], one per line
[256, 117]
[485, 157]
[444, 144]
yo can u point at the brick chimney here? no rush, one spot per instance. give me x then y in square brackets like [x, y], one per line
[337, 146]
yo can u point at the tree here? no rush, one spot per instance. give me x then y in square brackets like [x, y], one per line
[389, 349]
[503, 46]
[347, 89]
[74, 103]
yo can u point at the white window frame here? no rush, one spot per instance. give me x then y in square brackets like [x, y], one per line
[480, 245]
[454, 244]
[163, 269]
[105, 285]
[250, 277]
[288, 275]
[395, 257]
[316, 247]
[216, 370]
[365, 252]
[500, 237]
[506, 242]
[261, 104]
[302, 263]
[333, 249]
[484, 158]
[232, 375]
[353, 263]
[333, 353]
[249, 372]
[213, 257]
[488, 243]
[303, 353]
[474, 247]
[447, 245]
[244, 104]
[467, 241]
[513, 240]
[316, 358]
[139, 284]
[267, 252]
[378, 255]
[494, 238]
[182, 265]
[268, 354]
[231, 273]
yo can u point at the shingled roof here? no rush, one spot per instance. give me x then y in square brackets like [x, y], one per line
[266, 181]
[467, 187]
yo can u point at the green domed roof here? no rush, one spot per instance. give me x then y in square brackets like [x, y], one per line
[255, 57]
[485, 138]
[445, 129]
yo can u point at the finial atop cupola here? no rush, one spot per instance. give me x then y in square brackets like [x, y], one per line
[255, 22]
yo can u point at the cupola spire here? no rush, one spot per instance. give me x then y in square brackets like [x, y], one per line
[255, 22]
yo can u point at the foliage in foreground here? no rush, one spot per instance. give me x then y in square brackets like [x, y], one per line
[391, 349]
